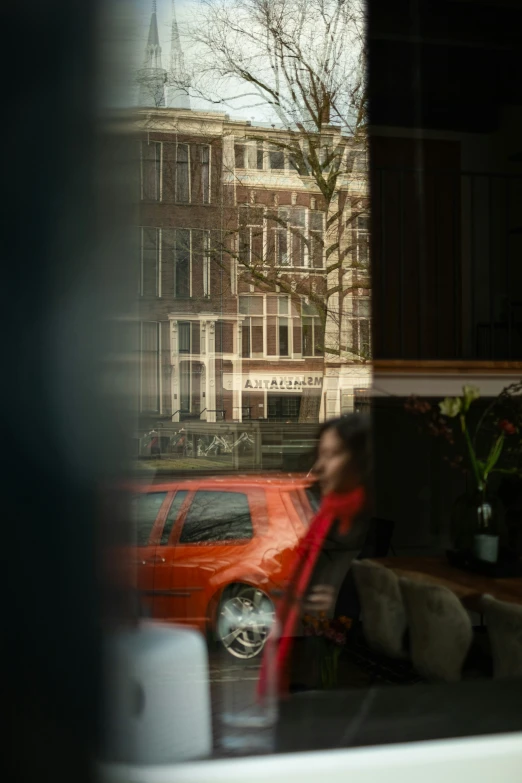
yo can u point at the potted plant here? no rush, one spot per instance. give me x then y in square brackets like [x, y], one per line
[491, 447]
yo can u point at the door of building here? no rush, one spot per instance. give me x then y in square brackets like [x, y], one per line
[284, 407]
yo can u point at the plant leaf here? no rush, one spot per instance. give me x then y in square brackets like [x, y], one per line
[494, 454]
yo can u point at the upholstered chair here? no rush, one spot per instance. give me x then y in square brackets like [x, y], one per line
[440, 630]
[382, 610]
[504, 624]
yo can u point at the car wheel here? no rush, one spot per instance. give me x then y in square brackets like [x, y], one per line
[244, 619]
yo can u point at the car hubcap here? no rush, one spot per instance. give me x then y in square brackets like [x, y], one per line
[244, 622]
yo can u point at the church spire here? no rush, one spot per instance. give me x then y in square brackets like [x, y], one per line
[152, 76]
[177, 97]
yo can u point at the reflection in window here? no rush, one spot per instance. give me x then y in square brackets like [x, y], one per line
[184, 336]
[182, 249]
[150, 262]
[276, 158]
[174, 510]
[150, 170]
[312, 331]
[205, 173]
[150, 367]
[363, 240]
[217, 516]
[239, 156]
[145, 508]
[260, 156]
[182, 173]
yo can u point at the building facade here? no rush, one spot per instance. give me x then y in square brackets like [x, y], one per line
[253, 287]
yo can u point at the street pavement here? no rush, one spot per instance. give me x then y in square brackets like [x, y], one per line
[232, 681]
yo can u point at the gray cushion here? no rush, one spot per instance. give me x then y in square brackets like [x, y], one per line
[440, 630]
[504, 623]
[382, 610]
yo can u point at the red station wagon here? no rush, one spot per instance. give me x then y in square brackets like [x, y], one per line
[213, 551]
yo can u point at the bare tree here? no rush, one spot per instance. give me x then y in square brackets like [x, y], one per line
[302, 60]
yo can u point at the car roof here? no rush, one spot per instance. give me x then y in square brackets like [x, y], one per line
[280, 480]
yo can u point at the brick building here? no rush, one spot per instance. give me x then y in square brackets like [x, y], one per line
[244, 269]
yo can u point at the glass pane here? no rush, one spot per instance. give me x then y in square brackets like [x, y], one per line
[174, 510]
[316, 221]
[283, 305]
[150, 170]
[182, 263]
[257, 336]
[245, 338]
[184, 336]
[205, 174]
[182, 173]
[308, 338]
[150, 262]
[239, 156]
[145, 509]
[150, 364]
[184, 386]
[276, 159]
[251, 305]
[260, 157]
[217, 516]
[283, 337]
[282, 247]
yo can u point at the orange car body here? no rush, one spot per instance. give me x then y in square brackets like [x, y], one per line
[198, 536]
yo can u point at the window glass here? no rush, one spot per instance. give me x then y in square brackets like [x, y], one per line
[150, 262]
[205, 173]
[150, 170]
[251, 305]
[314, 497]
[260, 156]
[184, 336]
[149, 367]
[182, 173]
[217, 516]
[172, 515]
[283, 337]
[182, 263]
[276, 159]
[145, 509]
[239, 156]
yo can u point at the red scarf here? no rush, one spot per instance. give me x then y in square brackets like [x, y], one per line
[342, 508]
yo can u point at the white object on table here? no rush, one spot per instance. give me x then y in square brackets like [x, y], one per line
[157, 695]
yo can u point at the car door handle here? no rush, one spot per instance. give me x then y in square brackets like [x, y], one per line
[149, 560]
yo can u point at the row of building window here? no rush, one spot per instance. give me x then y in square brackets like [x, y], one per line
[181, 172]
[263, 336]
[294, 238]
[175, 172]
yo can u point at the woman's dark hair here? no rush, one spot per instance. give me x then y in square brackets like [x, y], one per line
[354, 430]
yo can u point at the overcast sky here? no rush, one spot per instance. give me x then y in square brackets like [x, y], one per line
[185, 11]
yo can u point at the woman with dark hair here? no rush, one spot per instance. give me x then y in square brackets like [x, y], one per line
[336, 534]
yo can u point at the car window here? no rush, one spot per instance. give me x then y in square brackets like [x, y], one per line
[145, 511]
[314, 497]
[172, 515]
[217, 516]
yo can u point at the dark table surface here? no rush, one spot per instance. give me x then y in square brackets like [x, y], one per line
[320, 720]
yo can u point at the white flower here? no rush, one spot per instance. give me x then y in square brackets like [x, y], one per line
[470, 393]
[451, 406]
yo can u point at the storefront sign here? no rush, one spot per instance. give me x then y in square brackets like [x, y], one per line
[272, 383]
